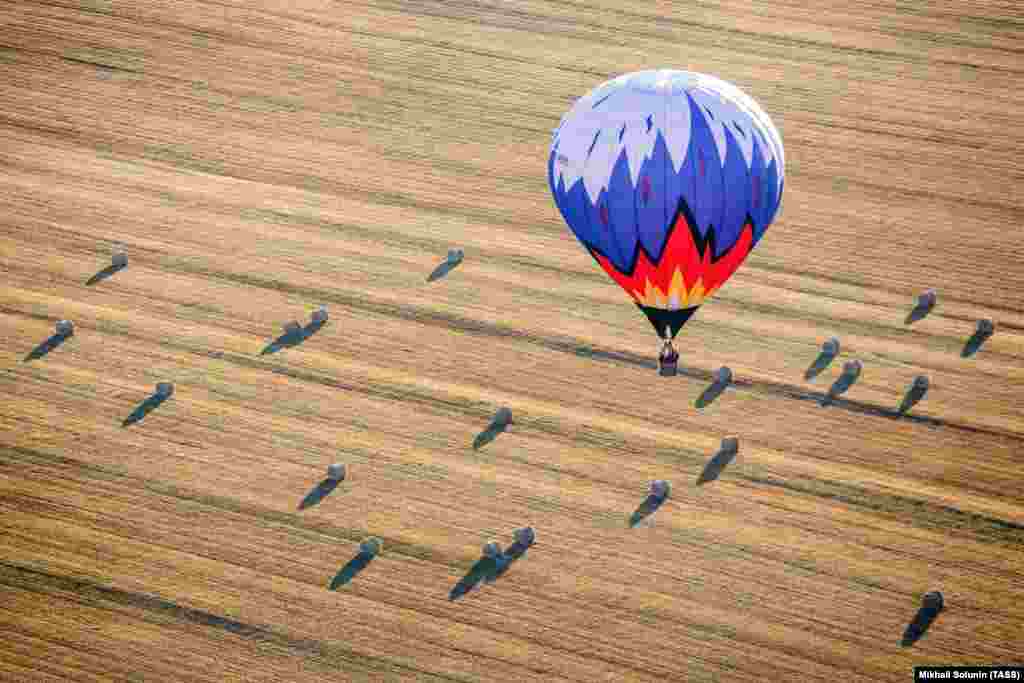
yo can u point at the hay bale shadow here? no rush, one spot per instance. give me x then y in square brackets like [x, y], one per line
[488, 435]
[914, 394]
[293, 337]
[919, 312]
[974, 344]
[709, 395]
[647, 508]
[45, 347]
[318, 493]
[144, 409]
[442, 270]
[715, 466]
[920, 624]
[819, 365]
[839, 387]
[104, 274]
[485, 569]
[499, 423]
[351, 570]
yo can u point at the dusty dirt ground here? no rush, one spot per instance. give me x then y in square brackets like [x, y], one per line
[260, 162]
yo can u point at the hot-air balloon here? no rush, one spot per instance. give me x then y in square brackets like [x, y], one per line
[669, 179]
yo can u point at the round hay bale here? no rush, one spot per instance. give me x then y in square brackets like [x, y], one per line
[292, 327]
[164, 389]
[986, 327]
[119, 259]
[320, 315]
[65, 328]
[336, 472]
[852, 368]
[723, 375]
[455, 255]
[831, 346]
[921, 383]
[731, 444]
[928, 299]
[660, 488]
[372, 546]
[503, 417]
[492, 550]
[932, 600]
[524, 536]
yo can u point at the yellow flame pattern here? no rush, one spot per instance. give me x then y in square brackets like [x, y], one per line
[677, 295]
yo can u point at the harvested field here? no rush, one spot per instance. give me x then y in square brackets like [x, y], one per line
[258, 163]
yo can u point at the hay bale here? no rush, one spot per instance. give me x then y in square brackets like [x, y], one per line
[986, 328]
[292, 327]
[492, 550]
[730, 444]
[164, 389]
[660, 488]
[320, 315]
[723, 375]
[928, 299]
[831, 346]
[336, 472]
[524, 536]
[372, 546]
[455, 256]
[932, 600]
[503, 417]
[65, 328]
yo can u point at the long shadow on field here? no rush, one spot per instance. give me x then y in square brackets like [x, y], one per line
[45, 347]
[104, 274]
[772, 388]
[790, 391]
[647, 508]
[488, 570]
[868, 409]
[144, 409]
[715, 466]
[709, 395]
[293, 337]
[919, 312]
[781, 389]
[583, 350]
[919, 625]
[443, 269]
[974, 344]
[351, 570]
[318, 493]
[819, 365]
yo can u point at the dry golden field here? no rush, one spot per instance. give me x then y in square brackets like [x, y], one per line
[260, 162]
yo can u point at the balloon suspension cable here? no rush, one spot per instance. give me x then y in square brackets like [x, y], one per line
[668, 337]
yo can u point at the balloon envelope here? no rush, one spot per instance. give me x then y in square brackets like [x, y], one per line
[669, 179]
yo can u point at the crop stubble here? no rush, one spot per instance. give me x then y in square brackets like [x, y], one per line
[260, 162]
